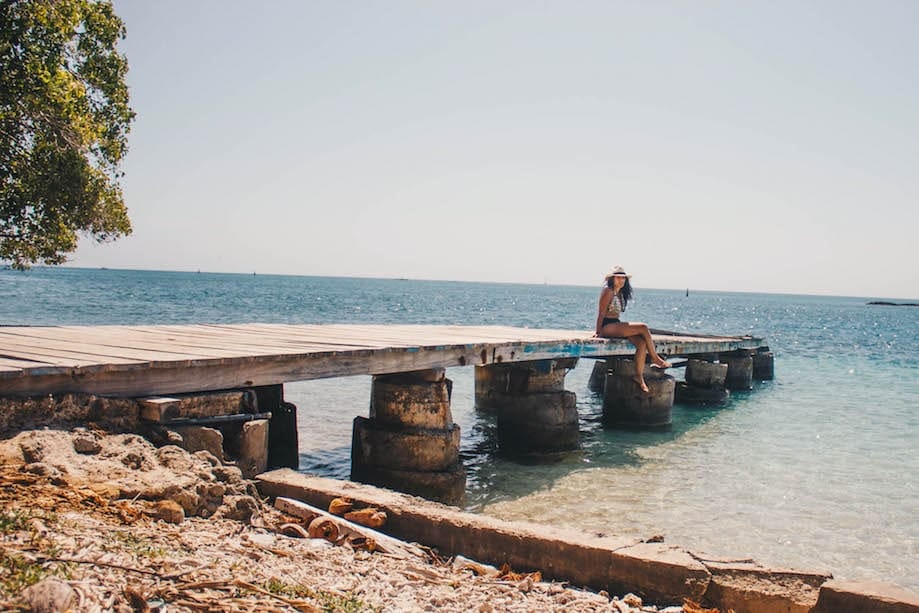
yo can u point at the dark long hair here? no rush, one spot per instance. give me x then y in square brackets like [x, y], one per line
[625, 294]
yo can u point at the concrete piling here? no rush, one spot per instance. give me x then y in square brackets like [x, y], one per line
[597, 380]
[740, 369]
[624, 402]
[539, 422]
[763, 364]
[705, 374]
[704, 383]
[535, 412]
[410, 443]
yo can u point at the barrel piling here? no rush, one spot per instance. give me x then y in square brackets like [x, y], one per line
[740, 369]
[410, 443]
[597, 380]
[704, 383]
[535, 413]
[626, 404]
[763, 364]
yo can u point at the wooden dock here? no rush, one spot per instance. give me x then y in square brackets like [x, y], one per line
[168, 359]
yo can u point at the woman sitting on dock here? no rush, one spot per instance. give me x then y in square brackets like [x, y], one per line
[613, 300]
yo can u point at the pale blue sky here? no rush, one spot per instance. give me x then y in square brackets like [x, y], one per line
[749, 146]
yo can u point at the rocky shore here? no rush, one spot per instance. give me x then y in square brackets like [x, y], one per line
[92, 521]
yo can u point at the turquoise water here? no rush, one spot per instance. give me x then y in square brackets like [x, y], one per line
[816, 469]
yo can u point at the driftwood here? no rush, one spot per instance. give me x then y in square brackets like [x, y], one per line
[384, 542]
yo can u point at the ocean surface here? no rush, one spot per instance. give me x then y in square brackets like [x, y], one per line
[818, 469]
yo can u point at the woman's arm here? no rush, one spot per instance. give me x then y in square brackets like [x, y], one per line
[605, 296]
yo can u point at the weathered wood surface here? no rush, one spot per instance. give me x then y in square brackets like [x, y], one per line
[147, 360]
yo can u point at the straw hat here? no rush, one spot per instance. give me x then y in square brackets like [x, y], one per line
[617, 271]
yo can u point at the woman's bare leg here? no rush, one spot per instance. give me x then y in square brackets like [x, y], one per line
[641, 351]
[657, 359]
[626, 330]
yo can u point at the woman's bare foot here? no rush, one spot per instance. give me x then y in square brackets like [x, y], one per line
[662, 364]
[641, 383]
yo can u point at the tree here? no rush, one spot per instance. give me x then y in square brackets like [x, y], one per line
[64, 121]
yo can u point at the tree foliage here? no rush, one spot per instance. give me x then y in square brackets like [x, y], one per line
[64, 121]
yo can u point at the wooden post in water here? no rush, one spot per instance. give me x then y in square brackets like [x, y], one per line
[624, 402]
[410, 442]
[535, 412]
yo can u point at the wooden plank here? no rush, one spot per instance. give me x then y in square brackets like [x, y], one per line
[61, 357]
[358, 335]
[101, 342]
[8, 364]
[411, 335]
[231, 345]
[192, 337]
[84, 354]
[257, 339]
[138, 347]
[376, 335]
[436, 337]
[101, 353]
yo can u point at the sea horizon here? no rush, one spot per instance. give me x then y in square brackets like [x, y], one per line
[422, 280]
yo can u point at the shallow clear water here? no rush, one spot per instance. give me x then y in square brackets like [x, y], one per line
[816, 469]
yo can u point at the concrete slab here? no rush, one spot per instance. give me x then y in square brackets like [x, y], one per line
[670, 569]
[657, 573]
[865, 597]
[747, 586]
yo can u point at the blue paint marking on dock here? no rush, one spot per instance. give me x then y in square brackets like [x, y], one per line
[572, 349]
